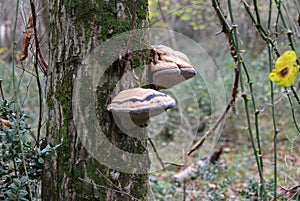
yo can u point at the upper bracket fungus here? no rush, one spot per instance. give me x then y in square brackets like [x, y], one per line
[169, 67]
[134, 107]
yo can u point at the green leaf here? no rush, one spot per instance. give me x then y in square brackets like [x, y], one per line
[11, 195]
[188, 10]
[46, 149]
[41, 161]
[22, 193]
[38, 151]
[185, 17]
[14, 187]
[202, 27]
[22, 199]
[24, 179]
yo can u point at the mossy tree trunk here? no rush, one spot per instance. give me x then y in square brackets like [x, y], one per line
[76, 28]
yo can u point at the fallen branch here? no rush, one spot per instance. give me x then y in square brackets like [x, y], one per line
[193, 168]
[293, 189]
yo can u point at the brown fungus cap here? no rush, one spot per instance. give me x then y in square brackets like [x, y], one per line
[170, 67]
[139, 104]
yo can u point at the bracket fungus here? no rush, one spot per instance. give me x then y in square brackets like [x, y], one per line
[169, 67]
[134, 107]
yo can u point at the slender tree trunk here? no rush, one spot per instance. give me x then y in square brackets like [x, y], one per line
[76, 28]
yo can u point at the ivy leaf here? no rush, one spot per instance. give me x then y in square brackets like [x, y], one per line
[22, 193]
[41, 161]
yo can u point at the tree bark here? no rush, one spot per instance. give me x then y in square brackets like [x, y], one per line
[76, 28]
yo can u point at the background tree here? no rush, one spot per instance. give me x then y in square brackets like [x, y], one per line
[76, 28]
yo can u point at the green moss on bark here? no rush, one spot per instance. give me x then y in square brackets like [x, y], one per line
[93, 22]
[112, 17]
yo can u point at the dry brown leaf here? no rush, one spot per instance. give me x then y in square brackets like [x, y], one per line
[27, 35]
[5, 123]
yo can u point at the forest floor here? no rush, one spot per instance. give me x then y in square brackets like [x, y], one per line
[234, 176]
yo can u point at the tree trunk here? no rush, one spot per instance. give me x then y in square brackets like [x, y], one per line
[76, 28]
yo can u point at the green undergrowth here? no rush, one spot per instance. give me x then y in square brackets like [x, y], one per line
[235, 176]
[22, 160]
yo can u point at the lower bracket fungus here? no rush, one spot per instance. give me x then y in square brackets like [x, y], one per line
[134, 107]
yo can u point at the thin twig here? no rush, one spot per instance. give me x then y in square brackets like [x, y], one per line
[226, 29]
[295, 94]
[164, 16]
[111, 189]
[14, 77]
[232, 38]
[25, 70]
[292, 109]
[44, 65]
[33, 11]
[151, 191]
[174, 164]
[286, 190]
[161, 11]
[210, 131]
[288, 31]
[260, 30]
[293, 196]
[16, 106]
[184, 189]
[1, 90]
[275, 129]
[256, 114]
[117, 187]
[156, 153]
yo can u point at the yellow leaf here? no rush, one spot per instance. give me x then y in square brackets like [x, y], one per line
[286, 69]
